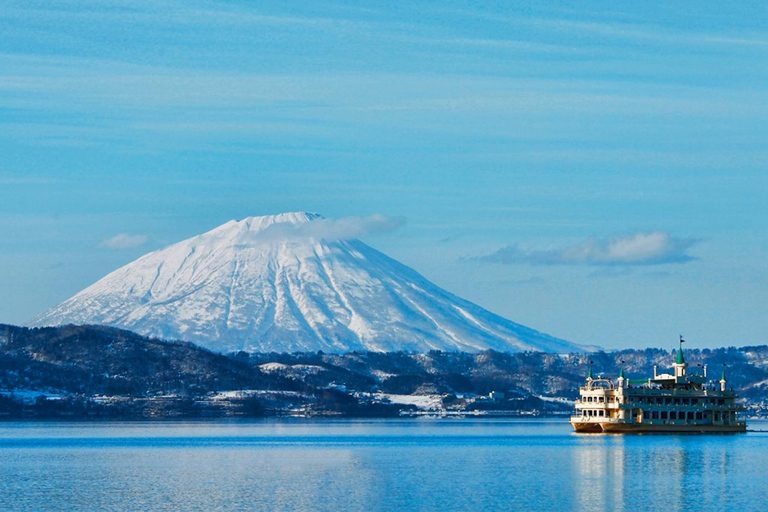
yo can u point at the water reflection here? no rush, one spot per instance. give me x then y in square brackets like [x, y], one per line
[374, 466]
[599, 463]
[665, 472]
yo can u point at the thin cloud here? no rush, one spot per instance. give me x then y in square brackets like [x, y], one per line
[345, 228]
[124, 241]
[639, 249]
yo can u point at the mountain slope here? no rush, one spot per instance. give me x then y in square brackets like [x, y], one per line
[276, 283]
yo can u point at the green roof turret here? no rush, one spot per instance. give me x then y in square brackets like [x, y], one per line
[589, 375]
[621, 373]
[680, 358]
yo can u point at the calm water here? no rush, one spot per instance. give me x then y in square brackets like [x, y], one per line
[387, 465]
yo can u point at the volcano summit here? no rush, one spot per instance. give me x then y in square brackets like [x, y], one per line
[285, 283]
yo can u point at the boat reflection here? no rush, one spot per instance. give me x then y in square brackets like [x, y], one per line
[671, 473]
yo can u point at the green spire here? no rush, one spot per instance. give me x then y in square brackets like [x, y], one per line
[621, 373]
[723, 377]
[589, 375]
[680, 358]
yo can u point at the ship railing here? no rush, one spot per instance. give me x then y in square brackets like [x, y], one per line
[673, 391]
[699, 406]
[594, 405]
[578, 418]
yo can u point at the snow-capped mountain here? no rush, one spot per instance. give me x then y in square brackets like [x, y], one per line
[274, 283]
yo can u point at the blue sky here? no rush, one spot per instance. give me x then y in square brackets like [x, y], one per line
[595, 171]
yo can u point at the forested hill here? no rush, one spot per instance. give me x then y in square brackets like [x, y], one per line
[86, 370]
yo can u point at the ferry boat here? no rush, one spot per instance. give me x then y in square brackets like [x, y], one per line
[676, 402]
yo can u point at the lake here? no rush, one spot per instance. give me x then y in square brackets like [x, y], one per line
[374, 465]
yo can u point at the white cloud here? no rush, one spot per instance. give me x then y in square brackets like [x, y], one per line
[124, 241]
[344, 228]
[655, 248]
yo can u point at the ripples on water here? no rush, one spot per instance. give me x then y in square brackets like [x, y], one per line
[387, 465]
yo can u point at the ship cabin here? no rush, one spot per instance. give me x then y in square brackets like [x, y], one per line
[668, 400]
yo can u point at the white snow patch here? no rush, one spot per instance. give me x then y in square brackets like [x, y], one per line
[427, 402]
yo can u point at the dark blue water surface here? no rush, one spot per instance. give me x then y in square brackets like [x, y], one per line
[376, 465]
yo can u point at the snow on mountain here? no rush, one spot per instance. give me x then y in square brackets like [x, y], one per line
[288, 283]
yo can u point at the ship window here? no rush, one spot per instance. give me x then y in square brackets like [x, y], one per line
[677, 401]
[673, 415]
[690, 415]
[717, 416]
[720, 402]
[698, 416]
[655, 415]
[663, 415]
